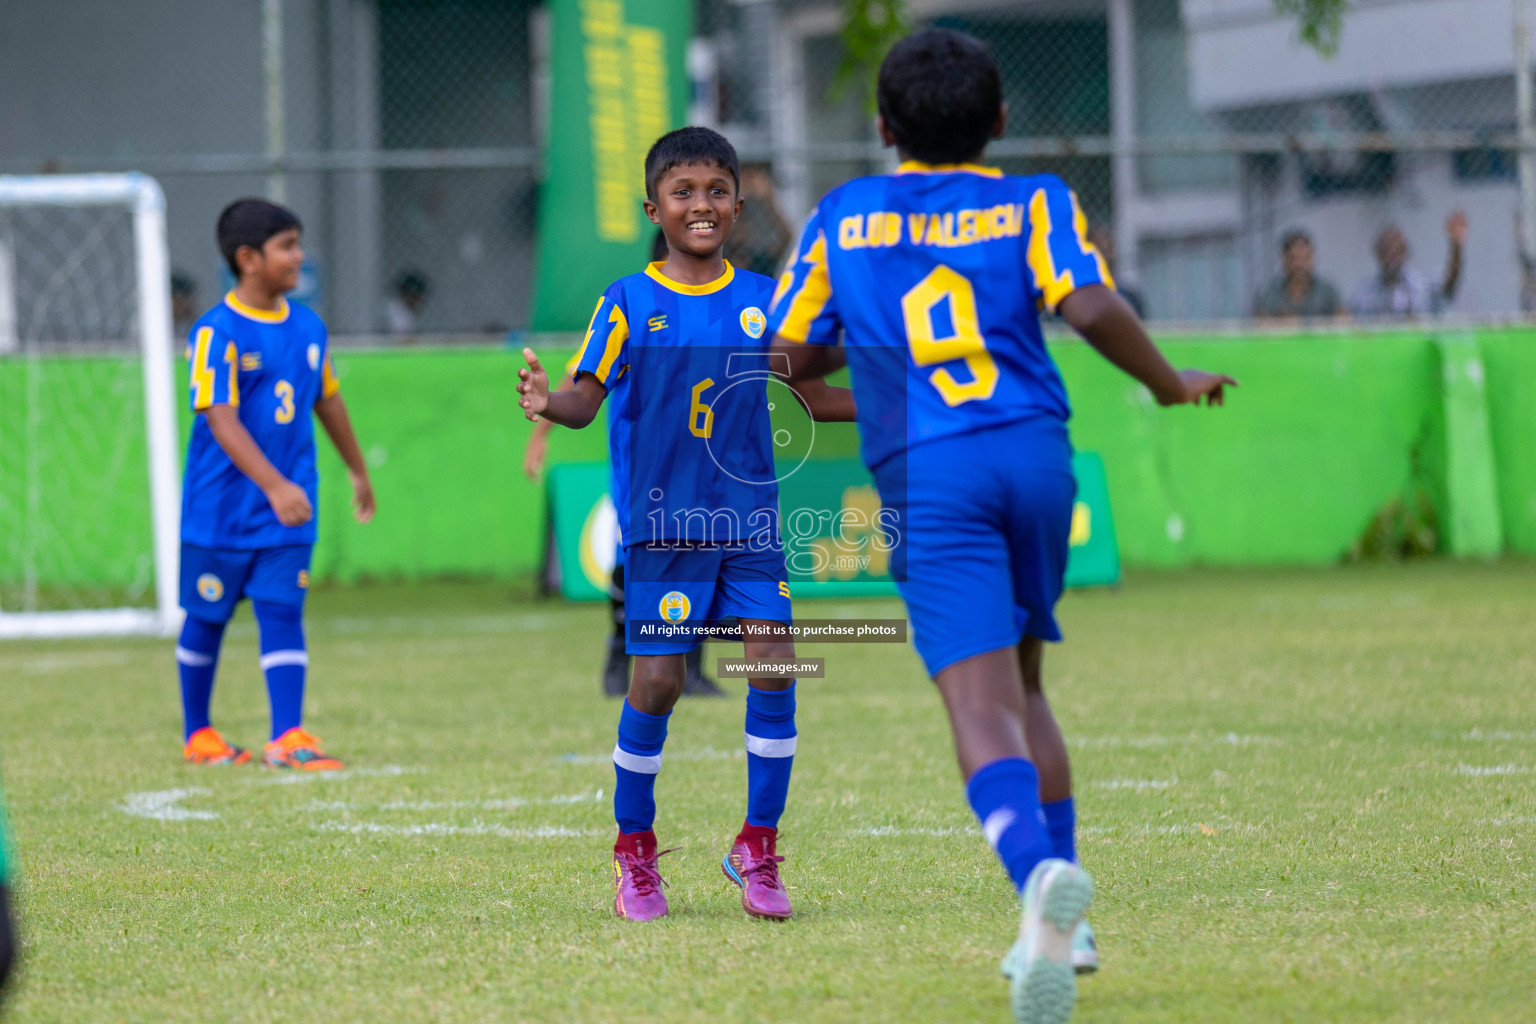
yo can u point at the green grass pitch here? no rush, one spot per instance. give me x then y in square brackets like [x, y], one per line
[1304, 796]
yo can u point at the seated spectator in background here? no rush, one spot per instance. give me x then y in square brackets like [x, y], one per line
[402, 309]
[760, 237]
[1400, 291]
[1103, 239]
[1298, 293]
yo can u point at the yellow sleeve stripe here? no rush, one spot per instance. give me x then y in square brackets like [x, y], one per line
[1053, 287]
[806, 304]
[581, 353]
[202, 373]
[329, 385]
[616, 338]
[232, 359]
[1080, 225]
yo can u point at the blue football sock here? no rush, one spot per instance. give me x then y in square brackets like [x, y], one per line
[197, 659]
[284, 660]
[636, 762]
[770, 753]
[1061, 822]
[1006, 798]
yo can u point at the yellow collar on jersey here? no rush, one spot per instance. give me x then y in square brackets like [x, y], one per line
[263, 316]
[654, 271]
[918, 167]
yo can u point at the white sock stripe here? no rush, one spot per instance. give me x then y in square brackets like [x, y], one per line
[642, 764]
[998, 822]
[276, 659]
[762, 746]
[192, 658]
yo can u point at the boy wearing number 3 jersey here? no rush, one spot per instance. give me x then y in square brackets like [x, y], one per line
[932, 279]
[260, 366]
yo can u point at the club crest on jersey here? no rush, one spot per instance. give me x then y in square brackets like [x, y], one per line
[209, 587]
[753, 321]
[314, 357]
[674, 606]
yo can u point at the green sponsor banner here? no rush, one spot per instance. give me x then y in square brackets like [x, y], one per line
[618, 82]
[830, 517]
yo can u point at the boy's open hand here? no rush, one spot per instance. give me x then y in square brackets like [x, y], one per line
[1197, 385]
[362, 498]
[532, 386]
[290, 503]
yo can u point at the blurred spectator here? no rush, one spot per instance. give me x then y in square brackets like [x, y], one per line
[1298, 292]
[1399, 290]
[761, 235]
[402, 309]
[184, 311]
[1103, 239]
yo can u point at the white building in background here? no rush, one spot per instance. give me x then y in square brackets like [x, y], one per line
[1199, 233]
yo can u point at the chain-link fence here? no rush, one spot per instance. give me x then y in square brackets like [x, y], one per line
[1199, 135]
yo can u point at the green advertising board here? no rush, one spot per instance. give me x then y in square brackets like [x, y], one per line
[619, 81]
[829, 512]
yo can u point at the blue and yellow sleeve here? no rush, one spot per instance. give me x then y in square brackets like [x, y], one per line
[1061, 259]
[803, 310]
[214, 365]
[605, 350]
[329, 385]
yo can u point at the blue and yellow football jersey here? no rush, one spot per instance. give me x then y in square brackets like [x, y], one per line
[934, 278]
[686, 368]
[272, 367]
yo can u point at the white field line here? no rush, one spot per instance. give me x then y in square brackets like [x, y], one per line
[397, 625]
[1519, 819]
[161, 805]
[892, 830]
[51, 663]
[477, 828]
[1197, 828]
[705, 754]
[1230, 739]
[290, 778]
[1497, 736]
[507, 804]
[1137, 784]
[1495, 769]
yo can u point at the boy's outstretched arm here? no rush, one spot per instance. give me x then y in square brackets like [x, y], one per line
[573, 407]
[287, 498]
[1108, 323]
[826, 403]
[338, 426]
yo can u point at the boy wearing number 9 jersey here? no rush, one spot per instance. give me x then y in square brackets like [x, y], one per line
[259, 366]
[932, 279]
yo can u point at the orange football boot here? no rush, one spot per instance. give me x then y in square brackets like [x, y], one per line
[299, 750]
[206, 746]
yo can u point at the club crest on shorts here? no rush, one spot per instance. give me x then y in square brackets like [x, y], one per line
[210, 587]
[314, 357]
[303, 579]
[753, 321]
[674, 606]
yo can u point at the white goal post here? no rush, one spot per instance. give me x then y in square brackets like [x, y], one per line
[63, 240]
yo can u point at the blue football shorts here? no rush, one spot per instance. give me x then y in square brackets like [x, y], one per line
[702, 583]
[213, 580]
[984, 521]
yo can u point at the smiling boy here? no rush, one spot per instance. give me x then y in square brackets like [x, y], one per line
[697, 500]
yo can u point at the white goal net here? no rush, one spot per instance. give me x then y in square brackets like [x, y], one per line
[89, 489]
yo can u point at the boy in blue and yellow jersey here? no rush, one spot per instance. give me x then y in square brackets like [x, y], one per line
[259, 366]
[932, 279]
[681, 352]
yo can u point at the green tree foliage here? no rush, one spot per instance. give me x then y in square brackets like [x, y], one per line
[1321, 22]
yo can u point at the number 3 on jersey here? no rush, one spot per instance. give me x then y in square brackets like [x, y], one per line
[917, 310]
[284, 392]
